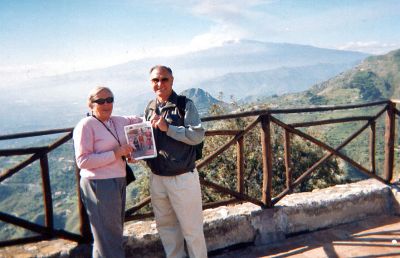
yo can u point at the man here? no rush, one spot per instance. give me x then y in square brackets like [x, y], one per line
[174, 181]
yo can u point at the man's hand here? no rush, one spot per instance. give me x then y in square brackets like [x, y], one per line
[159, 122]
[154, 119]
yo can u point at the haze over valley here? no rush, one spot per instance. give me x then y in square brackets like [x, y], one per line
[243, 69]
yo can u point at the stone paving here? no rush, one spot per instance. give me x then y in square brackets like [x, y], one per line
[52, 248]
[372, 237]
[269, 229]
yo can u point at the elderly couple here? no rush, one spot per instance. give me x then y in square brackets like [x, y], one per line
[100, 148]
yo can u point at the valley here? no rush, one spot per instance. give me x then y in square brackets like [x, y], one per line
[249, 81]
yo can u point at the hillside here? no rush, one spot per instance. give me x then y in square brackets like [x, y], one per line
[59, 102]
[377, 77]
[248, 86]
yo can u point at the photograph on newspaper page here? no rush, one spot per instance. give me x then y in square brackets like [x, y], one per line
[141, 138]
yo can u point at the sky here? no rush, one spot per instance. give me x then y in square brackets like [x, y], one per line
[50, 37]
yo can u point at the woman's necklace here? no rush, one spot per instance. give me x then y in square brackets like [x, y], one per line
[112, 126]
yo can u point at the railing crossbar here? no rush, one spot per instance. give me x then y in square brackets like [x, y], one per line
[225, 190]
[292, 110]
[332, 121]
[22, 151]
[138, 206]
[207, 159]
[331, 153]
[263, 117]
[32, 134]
[45, 231]
[11, 171]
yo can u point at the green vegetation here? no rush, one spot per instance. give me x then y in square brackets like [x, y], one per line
[368, 84]
[303, 154]
[21, 195]
[376, 78]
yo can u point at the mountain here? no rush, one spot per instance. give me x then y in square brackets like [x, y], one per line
[377, 77]
[250, 86]
[202, 99]
[242, 68]
[60, 101]
[245, 63]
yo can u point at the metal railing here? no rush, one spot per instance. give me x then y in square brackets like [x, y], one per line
[262, 118]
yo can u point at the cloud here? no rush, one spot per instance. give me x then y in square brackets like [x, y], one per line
[372, 47]
[225, 11]
[296, 22]
[231, 19]
[216, 37]
[28, 71]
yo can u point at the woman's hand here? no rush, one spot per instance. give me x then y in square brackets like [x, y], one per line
[137, 120]
[123, 151]
[132, 160]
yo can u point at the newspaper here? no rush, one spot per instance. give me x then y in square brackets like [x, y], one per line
[141, 137]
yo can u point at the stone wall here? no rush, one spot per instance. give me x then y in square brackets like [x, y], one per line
[247, 223]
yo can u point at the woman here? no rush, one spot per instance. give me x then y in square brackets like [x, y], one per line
[100, 148]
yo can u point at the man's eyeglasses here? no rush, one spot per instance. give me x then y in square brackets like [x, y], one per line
[102, 101]
[156, 80]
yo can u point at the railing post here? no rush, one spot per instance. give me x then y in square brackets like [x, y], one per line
[389, 141]
[84, 220]
[46, 188]
[267, 159]
[372, 147]
[288, 165]
[240, 165]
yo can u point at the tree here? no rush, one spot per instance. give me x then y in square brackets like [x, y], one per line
[303, 154]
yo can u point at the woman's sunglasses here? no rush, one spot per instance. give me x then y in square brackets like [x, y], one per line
[102, 101]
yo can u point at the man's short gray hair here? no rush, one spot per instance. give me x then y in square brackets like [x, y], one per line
[161, 67]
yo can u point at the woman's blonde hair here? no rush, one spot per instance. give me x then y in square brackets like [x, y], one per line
[93, 92]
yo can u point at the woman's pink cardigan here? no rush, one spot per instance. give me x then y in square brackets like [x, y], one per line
[94, 147]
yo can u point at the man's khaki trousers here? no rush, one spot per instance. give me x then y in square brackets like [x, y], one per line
[177, 206]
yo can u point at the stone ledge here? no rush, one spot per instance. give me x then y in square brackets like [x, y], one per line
[247, 223]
